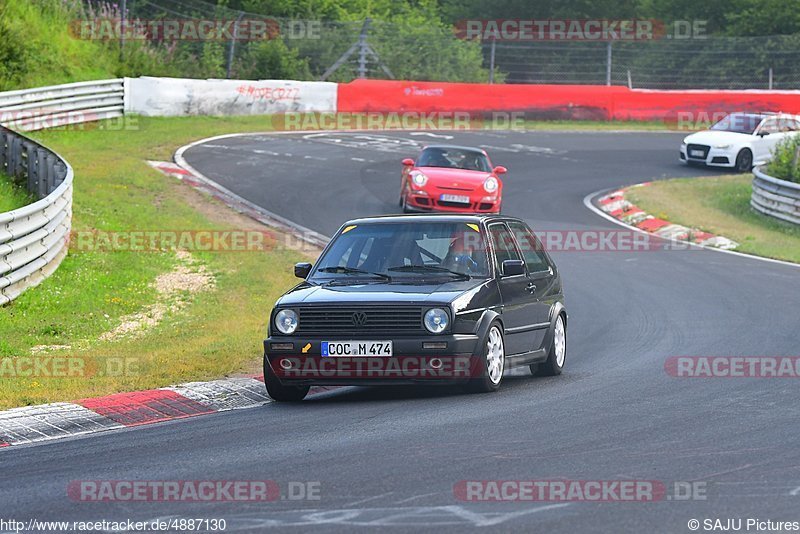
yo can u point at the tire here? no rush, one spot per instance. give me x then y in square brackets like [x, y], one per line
[558, 352]
[744, 160]
[404, 202]
[493, 365]
[280, 393]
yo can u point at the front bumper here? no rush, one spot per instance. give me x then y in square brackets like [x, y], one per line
[419, 201]
[716, 157]
[410, 363]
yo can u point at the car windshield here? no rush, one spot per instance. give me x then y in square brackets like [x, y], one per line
[739, 123]
[454, 158]
[404, 251]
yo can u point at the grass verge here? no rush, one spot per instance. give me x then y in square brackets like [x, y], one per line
[720, 205]
[199, 335]
[12, 196]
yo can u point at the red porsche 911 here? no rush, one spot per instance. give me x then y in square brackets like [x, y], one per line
[451, 179]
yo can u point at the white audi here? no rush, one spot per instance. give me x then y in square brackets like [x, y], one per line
[739, 141]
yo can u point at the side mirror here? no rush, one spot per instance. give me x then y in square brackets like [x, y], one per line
[762, 134]
[301, 270]
[408, 162]
[499, 170]
[513, 267]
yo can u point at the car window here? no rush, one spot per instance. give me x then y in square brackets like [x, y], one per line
[770, 126]
[504, 248]
[454, 158]
[385, 247]
[531, 248]
[739, 123]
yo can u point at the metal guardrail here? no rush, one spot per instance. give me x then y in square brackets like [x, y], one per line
[35, 239]
[59, 105]
[776, 198]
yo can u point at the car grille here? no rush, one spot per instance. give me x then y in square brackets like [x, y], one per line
[355, 319]
[448, 204]
[458, 188]
[704, 148]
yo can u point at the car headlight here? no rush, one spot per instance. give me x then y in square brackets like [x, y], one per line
[722, 147]
[418, 178]
[490, 185]
[286, 321]
[436, 320]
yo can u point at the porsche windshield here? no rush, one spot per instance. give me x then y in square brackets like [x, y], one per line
[404, 250]
[454, 158]
[739, 123]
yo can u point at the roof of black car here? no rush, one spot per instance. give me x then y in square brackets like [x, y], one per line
[431, 217]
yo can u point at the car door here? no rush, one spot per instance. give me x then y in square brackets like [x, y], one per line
[541, 279]
[518, 302]
[767, 136]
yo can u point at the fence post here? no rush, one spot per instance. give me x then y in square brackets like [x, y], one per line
[123, 15]
[630, 82]
[232, 47]
[491, 60]
[608, 63]
[362, 49]
[770, 78]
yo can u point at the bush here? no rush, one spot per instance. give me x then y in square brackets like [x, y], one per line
[785, 164]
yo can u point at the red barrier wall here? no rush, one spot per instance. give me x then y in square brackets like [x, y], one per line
[594, 102]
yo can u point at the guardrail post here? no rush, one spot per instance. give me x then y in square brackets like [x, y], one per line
[45, 171]
[32, 163]
[14, 164]
[3, 152]
[59, 173]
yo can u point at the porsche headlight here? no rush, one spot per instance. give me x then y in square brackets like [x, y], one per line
[419, 178]
[436, 320]
[286, 321]
[490, 185]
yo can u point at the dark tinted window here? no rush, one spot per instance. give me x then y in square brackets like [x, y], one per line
[454, 158]
[739, 123]
[503, 244]
[382, 247]
[531, 248]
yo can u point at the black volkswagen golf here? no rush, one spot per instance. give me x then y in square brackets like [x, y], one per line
[419, 299]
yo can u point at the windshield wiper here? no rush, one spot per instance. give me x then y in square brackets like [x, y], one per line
[351, 270]
[428, 269]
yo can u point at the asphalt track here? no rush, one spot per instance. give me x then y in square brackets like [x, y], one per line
[391, 457]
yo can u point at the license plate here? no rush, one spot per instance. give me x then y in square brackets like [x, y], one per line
[458, 199]
[356, 348]
[696, 153]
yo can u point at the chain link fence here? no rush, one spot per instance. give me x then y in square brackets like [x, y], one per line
[427, 51]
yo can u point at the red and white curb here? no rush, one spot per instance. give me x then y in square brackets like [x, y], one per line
[45, 422]
[615, 205]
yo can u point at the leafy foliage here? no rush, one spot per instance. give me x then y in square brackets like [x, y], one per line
[785, 163]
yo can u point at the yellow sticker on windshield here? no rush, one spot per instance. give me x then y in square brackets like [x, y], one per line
[348, 228]
[474, 227]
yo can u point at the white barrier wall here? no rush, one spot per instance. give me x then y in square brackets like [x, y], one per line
[160, 97]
